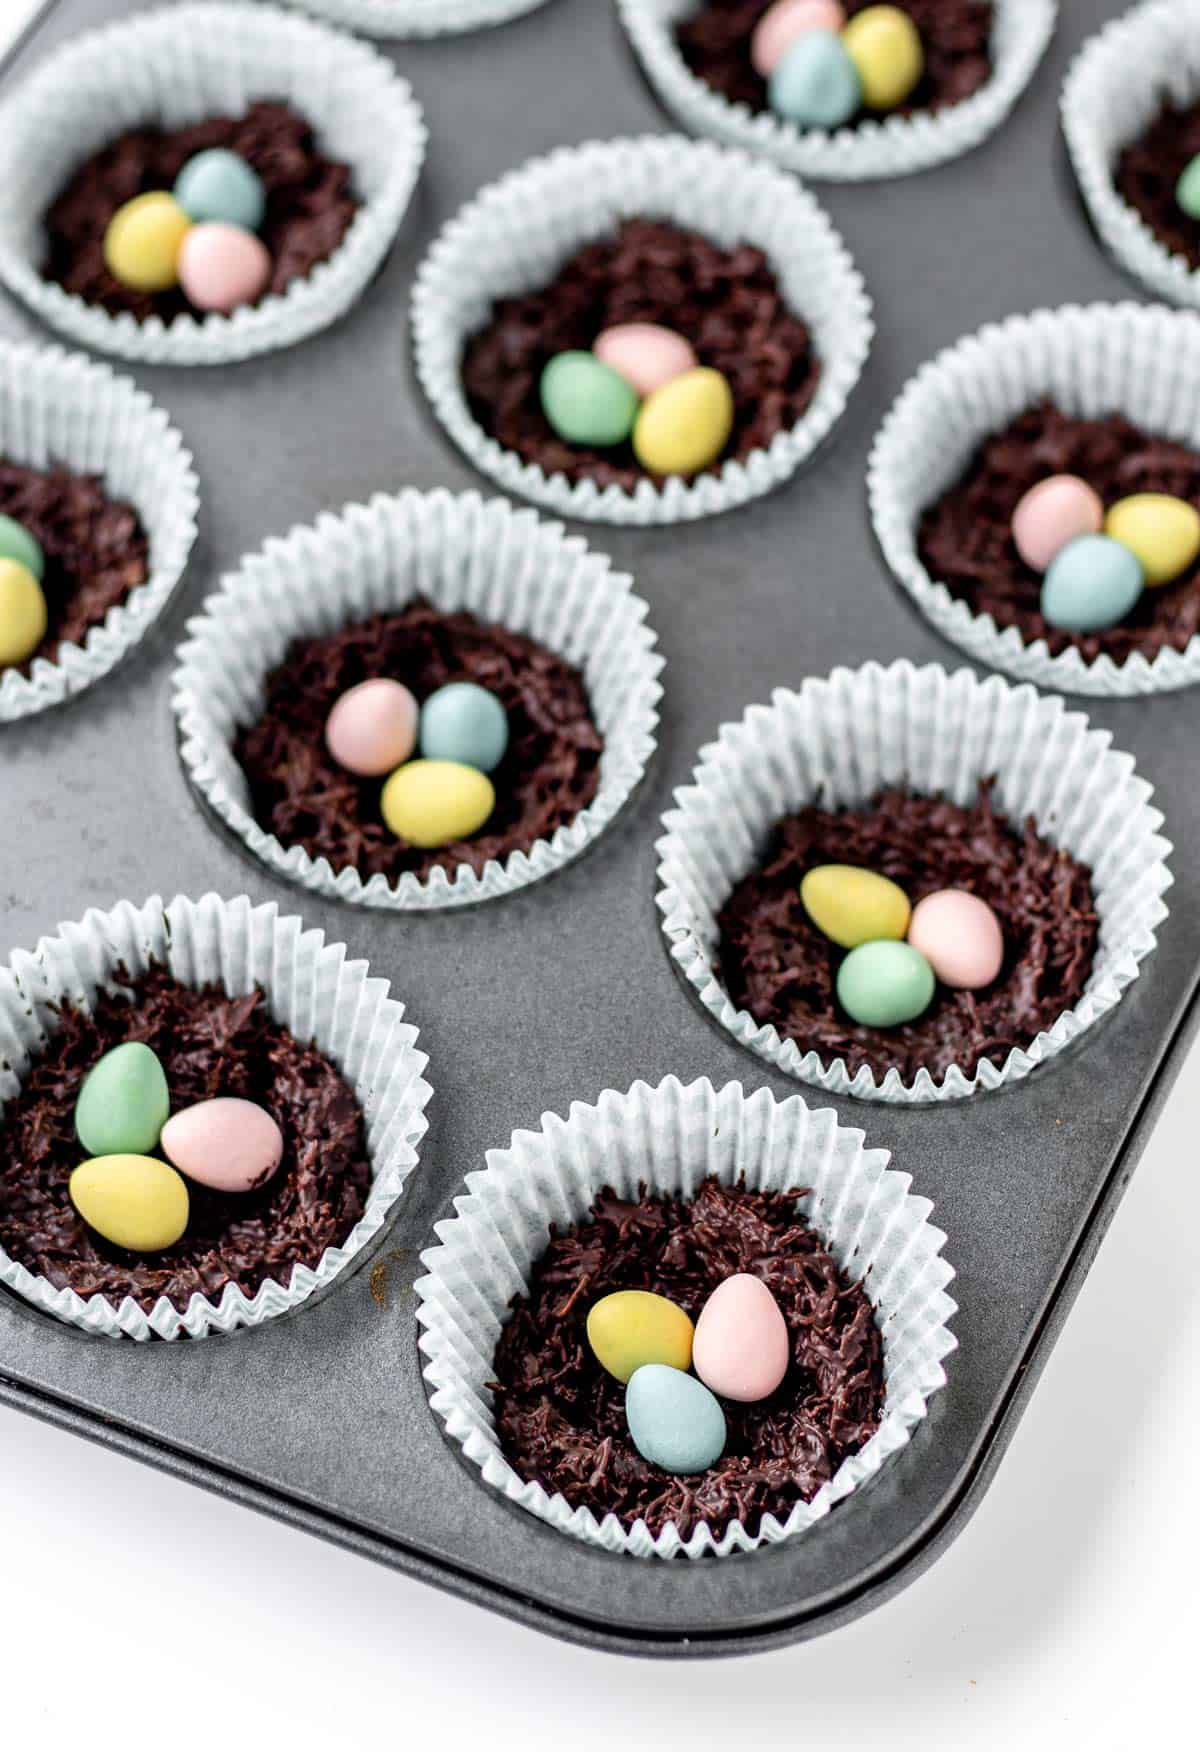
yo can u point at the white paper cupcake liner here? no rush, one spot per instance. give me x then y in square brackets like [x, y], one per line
[180, 65]
[501, 563]
[1143, 362]
[312, 989]
[56, 407]
[671, 1138]
[894, 146]
[513, 237]
[837, 742]
[1115, 88]
[416, 18]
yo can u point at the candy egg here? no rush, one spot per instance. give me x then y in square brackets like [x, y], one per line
[142, 242]
[960, 937]
[226, 1143]
[23, 616]
[646, 355]
[586, 401]
[17, 544]
[1052, 513]
[854, 906]
[1187, 189]
[674, 1420]
[884, 984]
[222, 267]
[885, 47]
[815, 84]
[632, 1327]
[685, 425]
[136, 1202]
[782, 23]
[1161, 531]
[1093, 583]
[741, 1348]
[123, 1103]
[465, 723]
[372, 728]
[218, 184]
[436, 802]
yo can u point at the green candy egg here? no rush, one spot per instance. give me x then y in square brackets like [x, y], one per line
[123, 1104]
[883, 984]
[1187, 189]
[586, 401]
[17, 544]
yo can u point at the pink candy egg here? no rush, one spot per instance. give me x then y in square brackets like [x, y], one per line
[960, 937]
[221, 266]
[644, 354]
[372, 729]
[229, 1144]
[1053, 513]
[740, 1348]
[782, 23]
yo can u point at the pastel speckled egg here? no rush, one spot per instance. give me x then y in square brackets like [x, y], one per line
[815, 84]
[1093, 583]
[853, 906]
[1187, 189]
[675, 1422]
[219, 184]
[684, 426]
[123, 1102]
[1163, 532]
[226, 1143]
[885, 46]
[633, 1327]
[433, 803]
[782, 23]
[465, 723]
[143, 240]
[222, 267]
[136, 1202]
[645, 354]
[1057, 510]
[960, 937]
[586, 401]
[23, 616]
[884, 984]
[741, 1348]
[372, 728]
[16, 543]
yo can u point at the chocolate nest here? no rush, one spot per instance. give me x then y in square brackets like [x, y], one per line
[776, 964]
[965, 539]
[209, 1045]
[1148, 170]
[726, 302]
[561, 1418]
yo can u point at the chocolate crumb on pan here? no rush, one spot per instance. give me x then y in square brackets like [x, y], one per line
[1148, 170]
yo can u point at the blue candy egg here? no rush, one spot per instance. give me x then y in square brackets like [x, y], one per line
[1092, 583]
[675, 1422]
[466, 723]
[219, 185]
[816, 84]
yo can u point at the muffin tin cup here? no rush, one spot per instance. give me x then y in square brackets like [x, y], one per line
[461, 552]
[837, 741]
[669, 1139]
[513, 237]
[1140, 361]
[313, 990]
[57, 407]
[894, 146]
[416, 18]
[181, 65]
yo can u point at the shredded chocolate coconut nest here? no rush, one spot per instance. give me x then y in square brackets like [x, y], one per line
[549, 773]
[310, 202]
[776, 964]
[95, 547]
[955, 36]
[965, 539]
[1147, 171]
[726, 302]
[209, 1045]
[561, 1418]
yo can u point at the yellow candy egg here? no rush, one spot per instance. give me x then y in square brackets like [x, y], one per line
[632, 1327]
[1161, 531]
[854, 906]
[22, 613]
[885, 47]
[141, 245]
[435, 802]
[136, 1202]
[685, 425]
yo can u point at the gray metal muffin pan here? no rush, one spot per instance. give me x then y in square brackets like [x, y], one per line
[527, 1004]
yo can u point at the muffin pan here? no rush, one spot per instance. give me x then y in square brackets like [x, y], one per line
[547, 997]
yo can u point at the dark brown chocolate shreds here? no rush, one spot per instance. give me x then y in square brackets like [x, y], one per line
[1148, 170]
